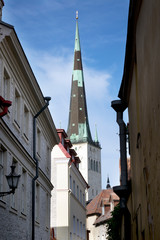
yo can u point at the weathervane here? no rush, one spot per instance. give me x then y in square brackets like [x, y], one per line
[76, 14]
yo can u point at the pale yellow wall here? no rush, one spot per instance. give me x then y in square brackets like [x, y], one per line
[144, 118]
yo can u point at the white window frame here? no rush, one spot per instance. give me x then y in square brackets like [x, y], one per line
[26, 122]
[17, 107]
[6, 85]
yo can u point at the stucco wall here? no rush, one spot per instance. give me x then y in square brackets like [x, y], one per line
[88, 153]
[144, 119]
[16, 222]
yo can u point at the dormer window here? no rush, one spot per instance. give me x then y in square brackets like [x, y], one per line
[103, 210]
[62, 141]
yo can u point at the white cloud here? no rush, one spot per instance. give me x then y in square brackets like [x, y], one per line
[54, 73]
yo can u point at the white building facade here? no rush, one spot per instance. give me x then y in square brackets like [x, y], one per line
[18, 85]
[68, 203]
[90, 167]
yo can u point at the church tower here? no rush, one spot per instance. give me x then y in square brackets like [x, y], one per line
[89, 151]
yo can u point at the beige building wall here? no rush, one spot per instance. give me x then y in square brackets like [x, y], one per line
[144, 122]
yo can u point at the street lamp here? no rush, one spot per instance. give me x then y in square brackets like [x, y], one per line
[12, 180]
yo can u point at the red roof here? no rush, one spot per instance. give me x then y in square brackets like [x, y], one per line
[104, 198]
[64, 150]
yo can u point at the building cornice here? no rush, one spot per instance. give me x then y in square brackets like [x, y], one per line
[130, 52]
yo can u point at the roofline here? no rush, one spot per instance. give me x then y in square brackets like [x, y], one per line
[6, 24]
[92, 214]
[87, 186]
[39, 95]
[130, 52]
[102, 222]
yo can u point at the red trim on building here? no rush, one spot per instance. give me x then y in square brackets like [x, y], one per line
[4, 105]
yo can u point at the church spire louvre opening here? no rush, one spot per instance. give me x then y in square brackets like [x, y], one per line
[78, 125]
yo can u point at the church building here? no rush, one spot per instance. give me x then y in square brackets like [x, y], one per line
[79, 132]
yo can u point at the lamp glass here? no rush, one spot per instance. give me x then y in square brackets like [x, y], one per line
[12, 179]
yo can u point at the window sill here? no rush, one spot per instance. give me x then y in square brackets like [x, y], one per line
[25, 138]
[23, 215]
[13, 210]
[15, 123]
[2, 203]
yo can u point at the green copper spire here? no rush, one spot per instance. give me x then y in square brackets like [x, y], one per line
[78, 125]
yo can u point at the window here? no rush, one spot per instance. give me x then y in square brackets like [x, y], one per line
[48, 160]
[74, 225]
[17, 108]
[103, 211]
[23, 191]
[84, 200]
[74, 190]
[6, 86]
[47, 210]
[78, 227]
[3, 168]
[81, 229]
[99, 167]
[37, 203]
[96, 166]
[70, 182]
[84, 232]
[38, 142]
[70, 236]
[62, 141]
[91, 164]
[26, 122]
[77, 192]
[81, 196]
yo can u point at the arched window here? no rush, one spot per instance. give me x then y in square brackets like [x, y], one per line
[99, 167]
[96, 166]
[91, 164]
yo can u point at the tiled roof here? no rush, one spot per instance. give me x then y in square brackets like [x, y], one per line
[104, 198]
[94, 207]
[103, 218]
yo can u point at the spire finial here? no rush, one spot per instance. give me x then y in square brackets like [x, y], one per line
[76, 14]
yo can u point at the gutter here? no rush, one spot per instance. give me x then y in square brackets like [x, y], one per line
[123, 190]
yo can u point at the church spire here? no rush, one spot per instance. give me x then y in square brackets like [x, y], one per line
[108, 183]
[78, 125]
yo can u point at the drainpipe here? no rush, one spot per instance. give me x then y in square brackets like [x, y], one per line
[47, 99]
[123, 190]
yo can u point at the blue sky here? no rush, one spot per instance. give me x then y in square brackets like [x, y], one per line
[46, 30]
